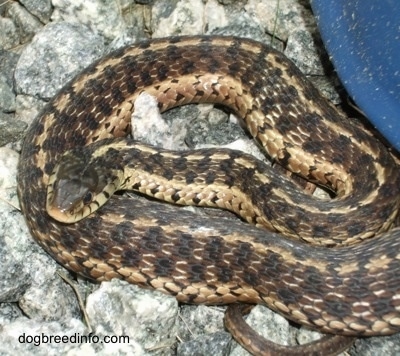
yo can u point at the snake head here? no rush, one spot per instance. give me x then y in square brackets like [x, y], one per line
[72, 189]
[84, 179]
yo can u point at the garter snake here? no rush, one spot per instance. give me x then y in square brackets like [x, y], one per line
[353, 289]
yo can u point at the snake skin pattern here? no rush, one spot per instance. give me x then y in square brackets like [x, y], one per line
[351, 290]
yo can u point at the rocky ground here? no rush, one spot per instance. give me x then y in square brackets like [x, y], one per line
[43, 44]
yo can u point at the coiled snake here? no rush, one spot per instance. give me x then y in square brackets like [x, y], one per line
[351, 290]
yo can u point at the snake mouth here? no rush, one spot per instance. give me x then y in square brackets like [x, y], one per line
[68, 200]
[69, 205]
[64, 216]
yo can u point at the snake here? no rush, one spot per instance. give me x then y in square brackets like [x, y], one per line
[330, 264]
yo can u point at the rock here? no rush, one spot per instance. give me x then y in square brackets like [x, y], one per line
[25, 22]
[146, 317]
[102, 17]
[8, 62]
[214, 344]
[42, 9]
[10, 129]
[53, 57]
[7, 96]
[383, 345]
[9, 37]
[30, 337]
[14, 236]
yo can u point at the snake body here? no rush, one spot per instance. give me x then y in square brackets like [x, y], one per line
[351, 290]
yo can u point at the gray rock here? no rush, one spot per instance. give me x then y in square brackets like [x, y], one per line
[16, 278]
[148, 125]
[14, 237]
[48, 297]
[177, 17]
[42, 9]
[26, 23]
[8, 62]
[10, 129]
[9, 36]
[102, 17]
[198, 321]
[213, 344]
[147, 317]
[27, 107]
[135, 26]
[9, 312]
[237, 23]
[203, 133]
[28, 337]
[199, 331]
[383, 345]
[302, 51]
[7, 96]
[54, 56]
[281, 19]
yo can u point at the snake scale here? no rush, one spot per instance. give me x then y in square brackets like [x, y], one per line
[353, 289]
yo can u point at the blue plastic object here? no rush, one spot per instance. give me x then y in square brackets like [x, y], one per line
[363, 39]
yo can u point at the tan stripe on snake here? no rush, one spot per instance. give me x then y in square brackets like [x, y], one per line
[347, 290]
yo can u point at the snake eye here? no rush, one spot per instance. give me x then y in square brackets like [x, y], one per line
[87, 198]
